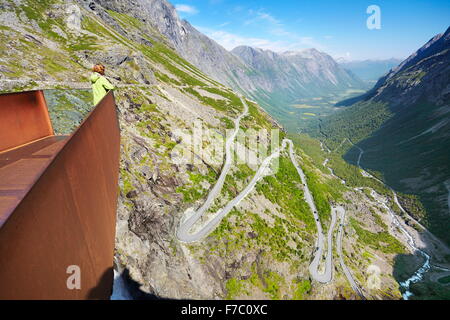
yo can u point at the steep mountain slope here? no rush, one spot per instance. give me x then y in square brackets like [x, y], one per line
[264, 247]
[403, 127]
[370, 70]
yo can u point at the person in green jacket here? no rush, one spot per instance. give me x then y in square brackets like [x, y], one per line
[100, 85]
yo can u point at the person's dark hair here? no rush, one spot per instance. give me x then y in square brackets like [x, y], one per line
[99, 68]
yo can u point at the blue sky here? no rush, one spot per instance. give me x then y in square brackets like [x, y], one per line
[336, 27]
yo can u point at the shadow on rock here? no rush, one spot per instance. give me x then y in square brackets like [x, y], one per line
[125, 288]
[430, 286]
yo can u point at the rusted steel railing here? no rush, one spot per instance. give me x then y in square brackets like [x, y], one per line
[58, 201]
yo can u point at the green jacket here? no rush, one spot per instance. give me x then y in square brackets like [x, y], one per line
[100, 87]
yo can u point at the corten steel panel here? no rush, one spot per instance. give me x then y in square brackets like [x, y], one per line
[21, 167]
[67, 218]
[24, 118]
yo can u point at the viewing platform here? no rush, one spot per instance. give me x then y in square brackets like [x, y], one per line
[58, 200]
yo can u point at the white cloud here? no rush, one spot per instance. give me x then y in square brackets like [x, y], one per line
[288, 40]
[262, 16]
[230, 41]
[237, 9]
[346, 56]
[268, 17]
[224, 24]
[277, 37]
[184, 8]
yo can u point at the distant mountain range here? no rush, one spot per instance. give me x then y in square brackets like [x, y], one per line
[369, 70]
[295, 74]
[403, 124]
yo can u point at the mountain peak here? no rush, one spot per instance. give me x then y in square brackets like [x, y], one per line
[244, 48]
[307, 50]
[311, 52]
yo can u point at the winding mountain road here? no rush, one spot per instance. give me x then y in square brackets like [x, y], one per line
[419, 273]
[447, 185]
[183, 230]
[344, 267]
[187, 223]
[340, 235]
[327, 275]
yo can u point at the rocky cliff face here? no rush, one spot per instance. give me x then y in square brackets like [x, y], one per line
[263, 248]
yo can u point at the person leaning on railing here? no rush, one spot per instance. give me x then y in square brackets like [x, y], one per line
[100, 85]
